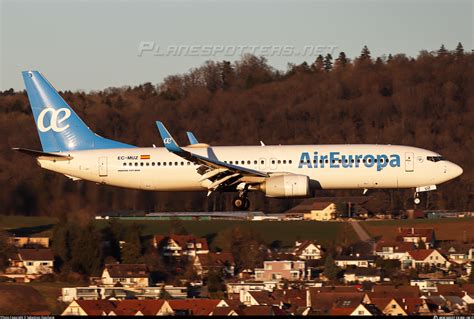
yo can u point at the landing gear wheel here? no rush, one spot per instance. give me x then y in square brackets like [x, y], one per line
[416, 198]
[246, 204]
[241, 203]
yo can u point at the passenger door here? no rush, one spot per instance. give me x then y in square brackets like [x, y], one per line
[409, 162]
[102, 166]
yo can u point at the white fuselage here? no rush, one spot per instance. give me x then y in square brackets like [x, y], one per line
[158, 169]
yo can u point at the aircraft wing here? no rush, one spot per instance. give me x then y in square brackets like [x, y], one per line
[221, 174]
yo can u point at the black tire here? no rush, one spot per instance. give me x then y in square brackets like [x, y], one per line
[238, 203]
[246, 204]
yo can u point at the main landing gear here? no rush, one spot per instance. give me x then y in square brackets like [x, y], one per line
[241, 202]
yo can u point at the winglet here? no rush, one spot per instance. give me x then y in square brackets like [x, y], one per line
[192, 139]
[168, 140]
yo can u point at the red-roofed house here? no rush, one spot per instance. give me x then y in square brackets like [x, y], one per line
[90, 308]
[180, 245]
[393, 249]
[424, 257]
[31, 262]
[196, 307]
[132, 307]
[415, 235]
[307, 250]
[127, 275]
[353, 307]
[222, 262]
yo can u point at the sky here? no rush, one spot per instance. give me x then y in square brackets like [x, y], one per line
[92, 45]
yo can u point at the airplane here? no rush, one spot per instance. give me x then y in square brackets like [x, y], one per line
[71, 148]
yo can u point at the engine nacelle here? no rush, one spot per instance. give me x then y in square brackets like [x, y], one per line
[286, 186]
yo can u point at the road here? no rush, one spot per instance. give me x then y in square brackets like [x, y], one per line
[363, 236]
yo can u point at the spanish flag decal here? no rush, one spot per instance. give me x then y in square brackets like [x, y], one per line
[144, 157]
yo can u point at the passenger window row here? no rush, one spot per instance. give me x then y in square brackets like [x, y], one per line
[187, 163]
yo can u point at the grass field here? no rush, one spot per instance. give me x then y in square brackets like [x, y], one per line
[49, 292]
[445, 228]
[285, 231]
[11, 222]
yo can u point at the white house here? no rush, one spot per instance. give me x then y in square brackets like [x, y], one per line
[393, 249]
[424, 257]
[126, 275]
[355, 260]
[307, 250]
[31, 263]
[362, 274]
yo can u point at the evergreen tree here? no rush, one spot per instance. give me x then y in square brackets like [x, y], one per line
[471, 274]
[60, 243]
[318, 65]
[421, 244]
[331, 271]
[341, 209]
[459, 50]
[442, 50]
[328, 62]
[132, 249]
[86, 255]
[6, 249]
[390, 58]
[365, 54]
[215, 283]
[342, 60]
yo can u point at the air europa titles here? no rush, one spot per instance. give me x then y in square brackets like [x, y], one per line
[336, 160]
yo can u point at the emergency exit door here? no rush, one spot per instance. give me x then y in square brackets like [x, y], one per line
[102, 166]
[409, 162]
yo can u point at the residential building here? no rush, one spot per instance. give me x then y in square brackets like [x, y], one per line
[431, 285]
[180, 245]
[90, 308]
[322, 299]
[258, 298]
[29, 241]
[281, 269]
[424, 258]
[321, 211]
[307, 250]
[221, 262]
[126, 275]
[362, 274]
[29, 264]
[354, 260]
[237, 287]
[118, 308]
[196, 307]
[353, 307]
[417, 235]
[69, 294]
[393, 249]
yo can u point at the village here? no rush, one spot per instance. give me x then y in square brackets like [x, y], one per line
[411, 274]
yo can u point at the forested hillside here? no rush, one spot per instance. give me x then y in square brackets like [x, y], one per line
[427, 101]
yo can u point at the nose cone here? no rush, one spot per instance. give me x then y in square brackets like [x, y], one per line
[454, 170]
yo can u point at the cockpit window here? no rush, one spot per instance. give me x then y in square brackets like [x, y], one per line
[435, 158]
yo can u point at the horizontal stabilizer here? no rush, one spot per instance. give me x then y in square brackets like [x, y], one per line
[44, 155]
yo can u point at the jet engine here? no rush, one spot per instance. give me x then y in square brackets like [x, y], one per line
[286, 186]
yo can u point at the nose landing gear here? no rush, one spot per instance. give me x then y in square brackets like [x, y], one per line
[416, 199]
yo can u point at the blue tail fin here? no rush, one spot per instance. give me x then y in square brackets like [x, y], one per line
[59, 127]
